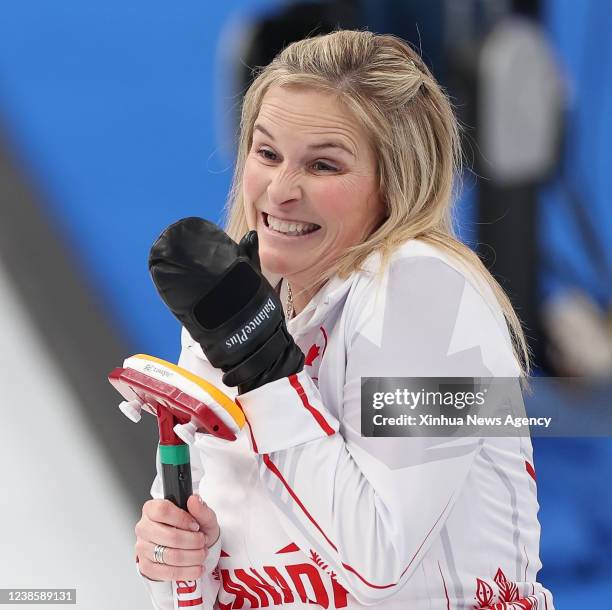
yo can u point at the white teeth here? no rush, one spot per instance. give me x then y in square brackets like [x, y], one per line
[290, 228]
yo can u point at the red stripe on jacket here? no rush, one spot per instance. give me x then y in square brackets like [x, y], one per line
[297, 386]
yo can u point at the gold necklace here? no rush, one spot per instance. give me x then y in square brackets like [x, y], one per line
[289, 304]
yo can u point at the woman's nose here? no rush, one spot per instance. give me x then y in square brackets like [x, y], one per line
[284, 187]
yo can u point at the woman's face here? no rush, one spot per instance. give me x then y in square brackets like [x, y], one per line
[309, 184]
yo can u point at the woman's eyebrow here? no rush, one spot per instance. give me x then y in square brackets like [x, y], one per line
[327, 144]
[258, 127]
[334, 144]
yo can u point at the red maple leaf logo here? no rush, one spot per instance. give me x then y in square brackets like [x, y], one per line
[315, 351]
[313, 354]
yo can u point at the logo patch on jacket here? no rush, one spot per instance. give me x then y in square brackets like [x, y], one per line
[314, 354]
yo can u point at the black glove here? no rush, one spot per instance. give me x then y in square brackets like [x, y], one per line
[216, 290]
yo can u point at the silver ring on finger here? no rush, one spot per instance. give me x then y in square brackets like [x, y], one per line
[158, 554]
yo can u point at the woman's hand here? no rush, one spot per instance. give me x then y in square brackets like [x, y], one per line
[187, 537]
[217, 291]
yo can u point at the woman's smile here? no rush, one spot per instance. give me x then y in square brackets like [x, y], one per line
[288, 227]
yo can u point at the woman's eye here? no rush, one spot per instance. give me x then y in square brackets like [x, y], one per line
[266, 154]
[324, 167]
[318, 166]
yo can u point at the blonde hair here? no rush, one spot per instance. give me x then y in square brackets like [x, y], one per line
[414, 133]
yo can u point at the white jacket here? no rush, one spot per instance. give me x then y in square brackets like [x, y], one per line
[311, 512]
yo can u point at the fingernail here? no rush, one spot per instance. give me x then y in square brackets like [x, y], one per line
[199, 498]
[194, 526]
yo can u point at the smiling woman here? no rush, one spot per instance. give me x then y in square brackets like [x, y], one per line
[393, 133]
[341, 210]
[310, 186]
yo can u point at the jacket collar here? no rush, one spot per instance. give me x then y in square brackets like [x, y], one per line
[332, 293]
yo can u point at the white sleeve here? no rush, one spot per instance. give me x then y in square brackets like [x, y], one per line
[367, 509]
[161, 591]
